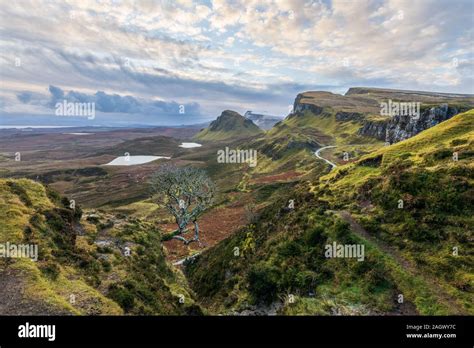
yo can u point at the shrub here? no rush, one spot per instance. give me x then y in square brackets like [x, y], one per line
[457, 142]
[289, 249]
[122, 296]
[315, 236]
[50, 269]
[341, 229]
[441, 154]
[263, 282]
[20, 191]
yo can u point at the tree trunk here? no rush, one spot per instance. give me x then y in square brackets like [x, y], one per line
[196, 230]
[171, 235]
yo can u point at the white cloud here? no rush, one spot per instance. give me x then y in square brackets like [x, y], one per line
[127, 46]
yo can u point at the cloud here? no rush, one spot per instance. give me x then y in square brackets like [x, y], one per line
[215, 55]
[25, 97]
[139, 109]
[56, 93]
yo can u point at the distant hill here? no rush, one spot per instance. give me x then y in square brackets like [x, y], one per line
[422, 96]
[229, 125]
[363, 106]
[418, 248]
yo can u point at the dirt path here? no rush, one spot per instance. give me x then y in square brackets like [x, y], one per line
[183, 260]
[407, 265]
[317, 153]
[13, 300]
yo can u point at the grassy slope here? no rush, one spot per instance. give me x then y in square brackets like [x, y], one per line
[323, 129]
[290, 144]
[437, 195]
[20, 200]
[281, 253]
[70, 261]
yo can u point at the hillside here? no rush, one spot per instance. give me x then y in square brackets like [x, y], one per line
[420, 251]
[81, 265]
[230, 125]
[352, 121]
[291, 143]
[362, 108]
[257, 253]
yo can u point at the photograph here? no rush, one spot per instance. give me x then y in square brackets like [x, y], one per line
[236, 172]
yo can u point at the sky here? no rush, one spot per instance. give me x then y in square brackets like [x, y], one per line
[184, 62]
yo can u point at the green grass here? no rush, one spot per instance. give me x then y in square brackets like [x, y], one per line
[416, 149]
[437, 212]
[288, 246]
[287, 257]
[71, 264]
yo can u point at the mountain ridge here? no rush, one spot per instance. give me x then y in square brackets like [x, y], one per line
[363, 105]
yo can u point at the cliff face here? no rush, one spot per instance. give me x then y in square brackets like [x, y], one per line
[403, 127]
[299, 107]
[374, 129]
[359, 105]
[399, 128]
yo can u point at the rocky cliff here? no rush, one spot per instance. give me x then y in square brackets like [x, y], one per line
[299, 107]
[374, 129]
[363, 106]
[398, 128]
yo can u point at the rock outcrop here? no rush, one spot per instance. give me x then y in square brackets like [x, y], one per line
[374, 129]
[344, 116]
[403, 127]
[398, 128]
[364, 106]
[299, 107]
[264, 122]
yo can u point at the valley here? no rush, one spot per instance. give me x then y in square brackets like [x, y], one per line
[403, 189]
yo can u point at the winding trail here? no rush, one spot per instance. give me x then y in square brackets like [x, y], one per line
[407, 265]
[317, 153]
[181, 261]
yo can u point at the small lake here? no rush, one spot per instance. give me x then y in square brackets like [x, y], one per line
[133, 160]
[189, 145]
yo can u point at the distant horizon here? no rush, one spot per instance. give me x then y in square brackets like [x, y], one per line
[78, 121]
[183, 62]
[95, 126]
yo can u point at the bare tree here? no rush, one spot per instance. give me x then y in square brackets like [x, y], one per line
[186, 192]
